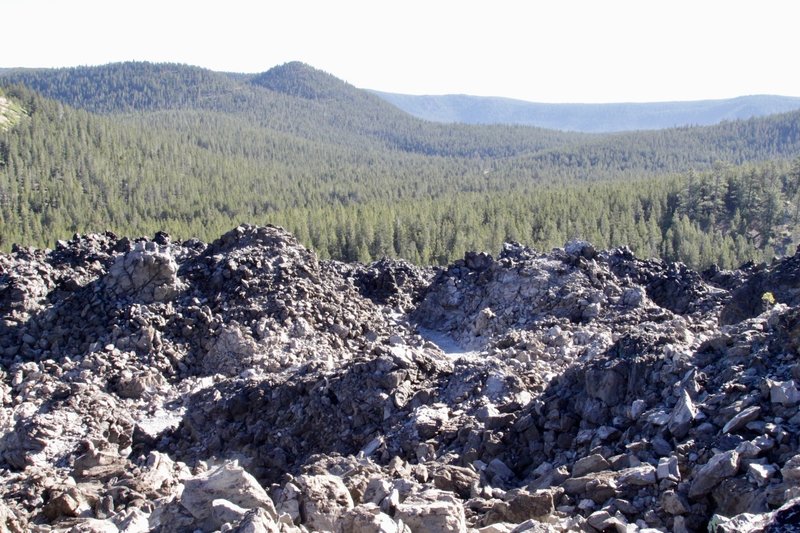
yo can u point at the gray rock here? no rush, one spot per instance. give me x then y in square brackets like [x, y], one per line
[741, 419]
[580, 248]
[613, 368]
[367, 519]
[600, 520]
[522, 505]
[455, 479]
[674, 503]
[642, 475]
[736, 495]
[721, 466]
[682, 416]
[589, 464]
[791, 471]
[498, 470]
[633, 297]
[432, 511]
[637, 408]
[324, 500]
[761, 474]
[223, 512]
[783, 392]
[232, 352]
[148, 273]
[606, 385]
[260, 521]
[599, 486]
[660, 446]
[668, 469]
[225, 482]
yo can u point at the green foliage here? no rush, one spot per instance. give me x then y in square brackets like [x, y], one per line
[137, 148]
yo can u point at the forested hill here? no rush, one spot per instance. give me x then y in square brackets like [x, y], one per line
[140, 147]
[592, 118]
[293, 98]
[297, 100]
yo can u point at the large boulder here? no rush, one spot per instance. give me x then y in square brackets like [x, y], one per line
[721, 466]
[148, 273]
[432, 511]
[227, 482]
[324, 499]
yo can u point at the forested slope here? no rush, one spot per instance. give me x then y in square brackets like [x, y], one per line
[137, 147]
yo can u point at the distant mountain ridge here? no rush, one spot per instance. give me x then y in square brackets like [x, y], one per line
[177, 86]
[590, 118]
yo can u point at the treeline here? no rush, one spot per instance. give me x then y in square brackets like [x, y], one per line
[726, 217]
[188, 151]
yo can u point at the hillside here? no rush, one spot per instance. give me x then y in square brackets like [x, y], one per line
[278, 99]
[138, 147]
[590, 118]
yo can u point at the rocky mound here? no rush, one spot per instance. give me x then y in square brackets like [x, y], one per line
[244, 385]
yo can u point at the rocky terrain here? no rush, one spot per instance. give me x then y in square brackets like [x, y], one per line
[244, 385]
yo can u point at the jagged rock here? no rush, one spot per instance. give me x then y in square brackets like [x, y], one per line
[589, 464]
[367, 519]
[227, 482]
[499, 471]
[783, 392]
[578, 248]
[738, 524]
[521, 505]
[760, 474]
[791, 470]
[573, 390]
[599, 486]
[259, 521]
[673, 503]
[682, 416]
[741, 419]
[721, 466]
[324, 500]
[736, 495]
[135, 386]
[65, 501]
[668, 469]
[393, 282]
[602, 520]
[433, 511]
[783, 519]
[606, 385]
[223, 512]
[133, 520]
[232, 352]
[455, 479]
[637, 476]
[148, 273]
[779, 279]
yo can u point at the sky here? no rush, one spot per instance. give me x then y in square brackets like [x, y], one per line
[543, 51]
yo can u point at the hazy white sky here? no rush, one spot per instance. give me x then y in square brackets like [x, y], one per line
[546, 51]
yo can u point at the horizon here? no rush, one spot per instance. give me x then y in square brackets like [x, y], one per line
[621, 51]
[424, 95]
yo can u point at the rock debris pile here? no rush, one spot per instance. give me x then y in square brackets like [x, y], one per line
[244, 385]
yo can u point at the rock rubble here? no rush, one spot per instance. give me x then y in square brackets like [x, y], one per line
[244, 385]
